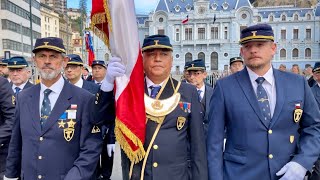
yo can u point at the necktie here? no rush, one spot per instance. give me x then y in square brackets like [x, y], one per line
[154, 91]
[46, 107]
[199, 95]
[17, 90]
[263, 100]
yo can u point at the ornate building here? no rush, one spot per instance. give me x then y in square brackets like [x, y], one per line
[212, 31]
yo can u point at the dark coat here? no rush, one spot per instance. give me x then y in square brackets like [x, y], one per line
[36, 151]
[90, 86]
[255, 149]
[7, 111]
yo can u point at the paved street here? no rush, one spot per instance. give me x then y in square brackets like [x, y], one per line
[117, 173]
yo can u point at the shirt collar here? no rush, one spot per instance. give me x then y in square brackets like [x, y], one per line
[150, 83]
[79, 83]
[268, 76]
[21, 86]
[203, 88]
[56, 87]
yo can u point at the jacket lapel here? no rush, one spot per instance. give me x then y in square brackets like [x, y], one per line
[62, 104]
[246, 86]
[280, 86]
[33, 105]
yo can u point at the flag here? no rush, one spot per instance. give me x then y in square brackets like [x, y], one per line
[214, 18]
[185, 20]
[89, 47]
[115, 22]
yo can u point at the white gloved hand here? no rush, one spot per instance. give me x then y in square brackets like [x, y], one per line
[5, 178]
[292, 171]
[115, 69]
[110, 149]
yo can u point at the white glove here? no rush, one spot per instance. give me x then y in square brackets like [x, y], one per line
[110, 149]
[292, 171]
[5, 178]
[115, 69]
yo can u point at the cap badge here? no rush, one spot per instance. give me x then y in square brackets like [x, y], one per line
[46, 43]
[254, 33]
[156, 42]
[15, 62]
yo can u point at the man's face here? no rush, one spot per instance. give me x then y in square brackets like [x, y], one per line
[19, 76]
[73, 72]
[98, 72]
[258, 54]
[50, 63]
[282, 68]
[316, 76]
[236, 66]
[308, 71]
[197, 77]
[84, 72]
[186, 75]
[157, 63]
[4, 71]
[295, 69]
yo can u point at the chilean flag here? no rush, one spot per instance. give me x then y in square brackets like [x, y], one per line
[116, 20]
[185, 20]
[89, 47]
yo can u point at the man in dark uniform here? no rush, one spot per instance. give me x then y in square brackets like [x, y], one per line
[6, 121]
[99, 70]
[197, 75]
[19, 74]
[316, 92]
[185, 76]
[236, 64]
[53, 136]
[4, 68]
[73, 72]
[85, 74]
[174, 142]
[270, 118]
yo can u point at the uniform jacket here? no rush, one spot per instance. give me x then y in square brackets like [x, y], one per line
[178, 154]
[7, 111]
[254, 150]
[90, 86]
[207, 98]
[316, 92]
[45, 153]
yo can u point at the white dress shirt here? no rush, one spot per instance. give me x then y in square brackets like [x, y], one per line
[150, 83]
[21, 86]
[269, 85]
[79, 83]
[53, 96]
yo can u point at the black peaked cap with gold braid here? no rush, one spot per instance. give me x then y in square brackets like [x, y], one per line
[156, 42]
[259, 32]
[17, 62]
[51, 43]
[75, 59]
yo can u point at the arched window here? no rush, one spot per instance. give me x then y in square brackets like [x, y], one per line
[283, 18]
[283, 54]
[295, 53]
[307, 53]
[202, 56]
[271, 18]
[188, 57]
[308, 17]
[295, 17]
[259, 18]
[214, 61]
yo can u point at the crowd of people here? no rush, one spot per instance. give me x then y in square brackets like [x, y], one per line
[259, 122]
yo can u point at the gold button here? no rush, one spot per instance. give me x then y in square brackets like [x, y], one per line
[96, 102]
[39, 177]
[155, 164]
[270, 131]
[41, 138]
[39, 157]
[270, 156]
[155, 146]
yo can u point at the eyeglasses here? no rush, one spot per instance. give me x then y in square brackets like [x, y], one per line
[72, 67]
[195, 73]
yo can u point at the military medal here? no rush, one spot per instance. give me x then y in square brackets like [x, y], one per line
[180, 122]
[297, 113]
[69, 131]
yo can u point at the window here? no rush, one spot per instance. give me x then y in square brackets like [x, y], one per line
[15, 46]
[177, 35]
[161, 31]
[259, 19]
[225, 32]
[244, 16]
[201, 56]
[214, 61]
[295, 34]
[308, 34]
[307, 53]
[283, 18]
[295, 17]
[308, 17]
[283, 54]
[201, 33]
[188, 57]
[161, 19]
[283, 34]
[295, 53]
[271, 18]
[214, 33]
[188, 34]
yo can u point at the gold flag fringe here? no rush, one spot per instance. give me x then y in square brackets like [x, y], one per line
[120, 130]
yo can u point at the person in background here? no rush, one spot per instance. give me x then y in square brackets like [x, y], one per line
[236, 64]
[86, 74]
[4, 71]
[295, 69]
[186, 76]
[272, 125]
[283, 67]
[73, 72]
